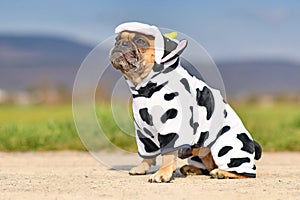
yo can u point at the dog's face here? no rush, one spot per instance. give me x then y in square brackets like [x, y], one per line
[133, 55]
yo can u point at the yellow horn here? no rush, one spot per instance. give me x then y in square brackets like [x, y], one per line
[171, 35]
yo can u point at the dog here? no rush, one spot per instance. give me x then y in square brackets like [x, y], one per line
[177, 114]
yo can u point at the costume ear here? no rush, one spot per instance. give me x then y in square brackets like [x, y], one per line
[176, 52]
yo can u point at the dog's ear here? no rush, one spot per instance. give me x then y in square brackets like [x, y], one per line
[172, 49]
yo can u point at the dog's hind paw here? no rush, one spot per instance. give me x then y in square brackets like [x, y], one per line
[222, 174]
[190, 170]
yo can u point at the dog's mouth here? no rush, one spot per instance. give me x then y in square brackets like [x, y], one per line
[125, 60]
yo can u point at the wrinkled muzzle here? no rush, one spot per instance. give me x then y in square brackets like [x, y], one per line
[124, 57]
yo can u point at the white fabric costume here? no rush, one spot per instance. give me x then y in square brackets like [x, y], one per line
[173, 110]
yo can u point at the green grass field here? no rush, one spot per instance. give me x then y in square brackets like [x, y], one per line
[42, 128]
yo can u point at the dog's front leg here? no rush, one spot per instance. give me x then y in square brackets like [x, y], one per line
[165, 173]
[142, 168]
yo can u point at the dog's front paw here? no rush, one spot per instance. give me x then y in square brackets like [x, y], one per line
[143, 167]
[138, 170]
[161, 176]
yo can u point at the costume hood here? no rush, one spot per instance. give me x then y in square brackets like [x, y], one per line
[166, 48]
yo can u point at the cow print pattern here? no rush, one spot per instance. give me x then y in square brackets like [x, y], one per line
[145, 116]
[236, 162]
[225, 113]
[174, 110]
[193, 124]
[248, 145]
[149, 90]
[168, 140]
[186, 85]
[224, 151]
[203, 137]
[170, 96]
[169, 114]
[148, 132]
[221, 132]
[150, 146]
[171, 68]
[205, 98]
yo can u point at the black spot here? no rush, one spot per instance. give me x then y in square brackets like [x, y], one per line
[169, 46]
[186, 85]
[254, 167]
[157, 67]
[225, 113]
[248, 144]
[148, 90]
[205, 98]
[193, 124]
[149, 145]
[168, 140]
[221, 132]
[169, 97]
[148, 132]
[171, 67]
[202, 138]
[258, 150]
[196, 159]
[169, 114]
[235, 162]
[224, 151]
[146, 117]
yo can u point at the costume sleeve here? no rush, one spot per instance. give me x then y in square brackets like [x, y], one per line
[148, 146]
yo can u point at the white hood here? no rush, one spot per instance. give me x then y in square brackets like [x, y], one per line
[147, 30]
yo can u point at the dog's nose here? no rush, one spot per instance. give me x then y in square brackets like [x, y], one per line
[125, 43]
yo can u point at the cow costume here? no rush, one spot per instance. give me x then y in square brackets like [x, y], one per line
[174, 110]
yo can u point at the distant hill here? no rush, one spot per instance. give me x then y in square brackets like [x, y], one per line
[38, 51]
[26, 60]
[29, 60]
[255, 77]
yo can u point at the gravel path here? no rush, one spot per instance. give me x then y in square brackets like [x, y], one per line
[77, 175]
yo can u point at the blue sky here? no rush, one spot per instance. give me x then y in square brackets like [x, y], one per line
[227, 29]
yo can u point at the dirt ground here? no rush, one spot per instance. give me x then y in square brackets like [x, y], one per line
[77, 175]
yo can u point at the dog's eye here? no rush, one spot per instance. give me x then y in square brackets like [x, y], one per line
[141, 42]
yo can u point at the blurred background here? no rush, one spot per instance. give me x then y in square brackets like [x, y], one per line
[255, 45]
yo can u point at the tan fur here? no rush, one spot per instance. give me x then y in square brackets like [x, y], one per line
[222, 174]
[190, 170]
[165, 173]
[205, 154]
[143, 167]
[147, 57]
